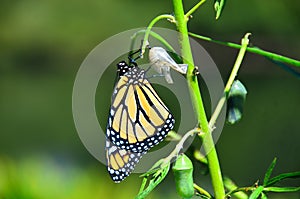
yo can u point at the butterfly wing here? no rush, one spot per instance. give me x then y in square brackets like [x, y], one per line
[138, 118]
[120, 162]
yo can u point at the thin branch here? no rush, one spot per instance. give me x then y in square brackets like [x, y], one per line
[202, 191]
[255, 50]
[155, 20]
[193, 9]
[153, 34]
[179, 146]
[215, 115]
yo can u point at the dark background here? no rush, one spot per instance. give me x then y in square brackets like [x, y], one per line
[43, 43]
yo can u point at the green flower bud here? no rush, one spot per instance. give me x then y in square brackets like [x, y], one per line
[183, 172]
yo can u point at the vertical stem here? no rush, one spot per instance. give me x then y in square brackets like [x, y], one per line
[186, 53]
[208, 143]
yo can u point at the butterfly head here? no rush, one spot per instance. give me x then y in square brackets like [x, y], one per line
[123, 67]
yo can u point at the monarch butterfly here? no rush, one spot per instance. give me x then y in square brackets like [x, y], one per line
[137, 121]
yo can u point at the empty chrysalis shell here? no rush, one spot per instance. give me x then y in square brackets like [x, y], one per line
[235, 103]
[183, 173]
[162, 62]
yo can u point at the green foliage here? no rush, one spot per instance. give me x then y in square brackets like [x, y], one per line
[282, 189]
[219, 6]
[42, 45]
[269, 182]
[154, 176]
[257, 192]
[269, 172]
[235, 92]
[277, 58]
[262, 190]
[46, 177]
[263, 196]
[282, 177]
[231, 187]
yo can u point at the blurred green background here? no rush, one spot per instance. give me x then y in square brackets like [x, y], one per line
[42, 44]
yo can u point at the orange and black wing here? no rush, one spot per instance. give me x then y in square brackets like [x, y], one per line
[120, 162]
[138, 119]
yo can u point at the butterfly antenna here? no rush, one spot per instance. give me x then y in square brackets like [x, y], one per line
[133, 60]
[130, 56]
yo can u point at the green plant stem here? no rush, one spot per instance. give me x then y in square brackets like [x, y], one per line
[266, 189]
[173, 136]
[230, 186]
[237, 64]
[188, 59]
[208, 143]
[193, 9]
[143, 185]
[244, 189]
[153, 34]
[179, 145]
[255, 50]
[200, 157]
[148, 30]
[202, 191]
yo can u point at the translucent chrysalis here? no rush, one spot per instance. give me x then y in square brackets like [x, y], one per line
[162, 62]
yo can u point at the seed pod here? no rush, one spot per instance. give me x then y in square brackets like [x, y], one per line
[235, 102]
[183, 172]
[162, 62]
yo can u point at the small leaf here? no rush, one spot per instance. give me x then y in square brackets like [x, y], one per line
[153, 169]
[153, 182]
[231, 186]
[282, 177]
[269, 172]
[256, 193]
[200, 157]
[219, 5]
[263, 196]
[282, 189]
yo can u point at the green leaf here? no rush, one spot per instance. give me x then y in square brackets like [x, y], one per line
[255, 194]
[153, 169]
[282, 189]
[200, 157]
[231, 186]
[219, 5]
[263, 196]
[282, 177]
[154, 181]
[269, 172]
